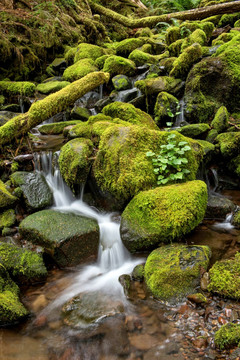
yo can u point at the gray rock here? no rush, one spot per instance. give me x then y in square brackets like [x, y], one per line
[218, 207]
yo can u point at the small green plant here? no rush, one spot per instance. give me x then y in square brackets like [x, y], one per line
[169, 164]
[172, 115]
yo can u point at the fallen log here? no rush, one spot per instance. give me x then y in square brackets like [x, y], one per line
[49, 106]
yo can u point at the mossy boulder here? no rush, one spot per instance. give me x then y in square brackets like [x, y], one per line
[220, 121]
[56, 128]
[25, 266]
[89, 51]
[116, 65]
[225, 278]
[175, 48]
[51, 86]
[129, 113]
[229, 144]
[36, 192]
[11, 309]
[121, 82]
[70, 239]
[122, 169]
[173, 34]
[163, 214]
[7, 218]
[165, 104]
[158, 84]
[80, 113]
[74, 161]
[197, 36]
[227, 336]
[126, 46]
[209, 150]
[10, 88]
[195, 131]
[79, 70]
[185, 61]
[141, 58]
[172, 272]
[6, 198]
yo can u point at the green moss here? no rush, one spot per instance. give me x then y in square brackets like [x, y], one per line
[74, 161]
[208, 148]
[6, 199]
[172, 272]
[100, 61]
[125, 47]
[121, 82]
[229, 144]
[165, 102]
[164, 214]
[220, 121]
[228, 19]
[223, 38]
[56, 128]
[17, 88]
[70, 54]
[79, 70]
[175, 48]
[236, 219]
[140, 58]
[89, 51]
[227, 336]
[184, 62]
[225, 278]
[144, 32]
[7, 218]
[118, 65]
[198, 36]
[138, 272]
[51, 86]
[22, 264]
[195, 131]
[2, 100]
[173, 34]
[167, 63]
[129, 113]
[161, 83]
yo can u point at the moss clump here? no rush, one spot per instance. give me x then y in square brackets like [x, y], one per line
[100, 61]
[228, 19]
[56, 128]
[175, 48]
[22, 264]
[10, 88]
[220, 121]
[129, 113]
[51, 86]
[2, 100]
[163, 214]
[79, 70]
[165, 103]
[144, 32]
[125, 47]
[223, 38]
[89, 51]
[7, 218]
[161, 83]
[140, 58]
[74, 161]
[172, 272]
[195, 131]
[70, 54]
[138, 272]
[198, 36]
[225, 278]
[184, 62]
[227, 336]
[121, 82]
[6, 199]
[229, 144]
[173, 34]
[118, 65]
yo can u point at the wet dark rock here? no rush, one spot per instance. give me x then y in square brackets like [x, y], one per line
[69, 239]
[80, 113]
[100, 104]
[126, 95]
[125, 281]
[218, 207]
[138, 272]
[23, 158]
[36, 192]
[6, 115]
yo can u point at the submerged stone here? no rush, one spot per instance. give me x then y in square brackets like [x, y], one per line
[70, 239]
[172, 272]
[162, 215]
[36, 192]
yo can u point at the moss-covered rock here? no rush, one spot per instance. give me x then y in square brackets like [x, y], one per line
[140, 58]
[70, 239]
[195, 131]
[173, 34]
[74, 161]
[51, 86]
[84, 50]
[138, 272]
[220, 121]
[209, 150]
[165, 104]
[6, 198]
[24, 265]
[10, 88]
[129, 113]
[36, 192]
[212, 135]
[56, 67]
[11, 309]
[121, 82]
[125, 47]
[227, 336]
[158, 84]
[223, 38]
[116, 65]
[7, 218]
[163, 215]
[172, 272]
[198, 36]
[79, 70]
[229, 144]
[185, 61]
[56, 128]
[236, 219]
[80, 113]
[121, 168]
[175, 48]
[225, 278]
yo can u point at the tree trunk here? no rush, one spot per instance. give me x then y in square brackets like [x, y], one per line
[49, 106]
[194, 14]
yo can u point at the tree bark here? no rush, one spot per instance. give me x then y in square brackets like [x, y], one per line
[49, 106]
[194, 14]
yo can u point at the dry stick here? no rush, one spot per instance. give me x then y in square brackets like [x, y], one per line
[194, 14]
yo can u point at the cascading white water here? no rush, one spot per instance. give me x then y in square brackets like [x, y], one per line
[113, 259]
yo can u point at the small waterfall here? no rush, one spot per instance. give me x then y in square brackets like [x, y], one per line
[212, 180]
[180, 119]
[226, 224]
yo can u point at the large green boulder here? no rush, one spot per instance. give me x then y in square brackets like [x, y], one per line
[163, 215]
[24, 265]
[172, 272]
[122, 169]
[36, 192]
[195, 131]
[90, 51]
[225, 278]
[220, 121]
[70, 239]
[126, 46]
[6, 198]
[229, 144]
[11, 309]
[74, 161]
[161, 83]
[116, 65]
[79, 70]
[51, 86]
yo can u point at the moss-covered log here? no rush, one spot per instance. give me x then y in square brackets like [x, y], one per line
[51, 105]
[194, 14]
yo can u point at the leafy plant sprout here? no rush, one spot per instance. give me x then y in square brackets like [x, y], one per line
[169, 164]
[172, 115]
